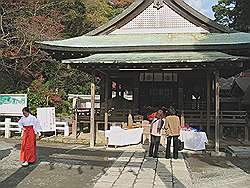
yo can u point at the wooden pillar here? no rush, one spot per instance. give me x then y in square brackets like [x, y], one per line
[136, 100]
[136, 94]
[217, 112]
[246, 133]
[92, 112]
[208, 102]
[74, 118]
[107, 90]
[247, 128]
[180, 98]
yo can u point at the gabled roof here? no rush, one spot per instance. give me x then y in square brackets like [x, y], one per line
[151, 42]
[179, 6]
[103, 39]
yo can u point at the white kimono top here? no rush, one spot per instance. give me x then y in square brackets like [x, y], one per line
[30, 121]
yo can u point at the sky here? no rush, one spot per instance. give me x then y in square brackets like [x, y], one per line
[203, 6]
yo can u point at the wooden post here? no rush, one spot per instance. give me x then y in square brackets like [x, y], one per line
[136, 94]
[74, 119]
[247, 130]
[107, 90]
[92, 112]
[201, 120]
[136, 100]
[217, 111]
[180, 98]
[246, 133]
[208, 102]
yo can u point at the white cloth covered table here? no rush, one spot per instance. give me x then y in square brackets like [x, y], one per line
[193, 140]
[121, 137]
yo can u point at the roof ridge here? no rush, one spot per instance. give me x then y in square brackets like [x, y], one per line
[195, 13]
[179, 6]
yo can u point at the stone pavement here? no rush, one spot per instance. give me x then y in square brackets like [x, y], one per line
[58, 165]
[135, 169]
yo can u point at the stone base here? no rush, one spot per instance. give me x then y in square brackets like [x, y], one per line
[218, 154]
[239, 151]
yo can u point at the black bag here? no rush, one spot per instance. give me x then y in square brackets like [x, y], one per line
[180, 145]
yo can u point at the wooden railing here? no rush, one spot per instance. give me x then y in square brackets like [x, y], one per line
[195, 118]
[227, 119]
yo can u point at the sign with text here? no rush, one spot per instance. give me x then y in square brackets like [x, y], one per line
[12, 104]
[47, 118]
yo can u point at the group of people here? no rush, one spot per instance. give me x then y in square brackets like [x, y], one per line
[168, 121]
[162, 120]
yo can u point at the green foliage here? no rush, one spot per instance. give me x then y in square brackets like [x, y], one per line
[38, 95]
[26, 69]
[233, 13]
[224, 12]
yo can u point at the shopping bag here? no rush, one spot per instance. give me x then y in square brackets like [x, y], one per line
[180, 145]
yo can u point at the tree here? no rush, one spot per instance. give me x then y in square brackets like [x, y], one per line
[24, 68]
[233, 13]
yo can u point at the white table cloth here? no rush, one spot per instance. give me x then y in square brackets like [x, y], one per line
[121, 137]
[193, 140]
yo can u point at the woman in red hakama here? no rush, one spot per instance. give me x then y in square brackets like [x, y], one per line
[30, 130]
[28, 148]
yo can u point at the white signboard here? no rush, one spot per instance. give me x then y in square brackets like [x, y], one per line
[47, 118]
[12, 104]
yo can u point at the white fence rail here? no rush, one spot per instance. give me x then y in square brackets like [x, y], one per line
[64, 126]
[7, 126]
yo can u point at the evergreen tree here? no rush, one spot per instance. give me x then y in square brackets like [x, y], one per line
[233, 13]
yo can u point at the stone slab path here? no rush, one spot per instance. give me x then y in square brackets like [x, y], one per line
[135, 169]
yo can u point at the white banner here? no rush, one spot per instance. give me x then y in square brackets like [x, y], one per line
[12, 104]
[47, 118]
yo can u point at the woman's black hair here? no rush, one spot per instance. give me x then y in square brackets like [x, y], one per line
[26, 109]
[171, 111]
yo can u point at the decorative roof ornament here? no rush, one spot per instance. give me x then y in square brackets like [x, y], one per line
[158, 4]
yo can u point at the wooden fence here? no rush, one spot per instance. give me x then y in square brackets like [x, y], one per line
[8, 126]
[229, 119]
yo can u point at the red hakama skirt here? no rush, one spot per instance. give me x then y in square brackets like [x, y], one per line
[28, 148]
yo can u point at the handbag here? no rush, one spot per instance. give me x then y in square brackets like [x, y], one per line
[180, 145]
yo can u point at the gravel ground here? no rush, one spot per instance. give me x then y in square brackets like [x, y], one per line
[58, 165]
[207, 171]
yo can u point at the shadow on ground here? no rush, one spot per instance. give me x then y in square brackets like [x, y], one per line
[89, 163]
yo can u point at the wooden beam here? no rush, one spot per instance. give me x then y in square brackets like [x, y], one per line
[217, 111]
[208, 102]
[92, 112]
